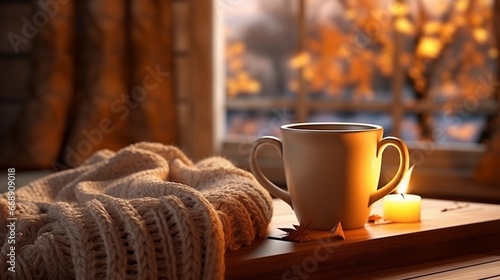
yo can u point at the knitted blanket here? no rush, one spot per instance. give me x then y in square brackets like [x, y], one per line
[144, 212]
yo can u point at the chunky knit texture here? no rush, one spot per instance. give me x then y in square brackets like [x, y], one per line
[145, 212]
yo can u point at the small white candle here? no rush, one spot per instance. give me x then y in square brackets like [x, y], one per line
[402, 208]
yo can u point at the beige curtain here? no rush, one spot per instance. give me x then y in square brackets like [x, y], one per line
[101, 79]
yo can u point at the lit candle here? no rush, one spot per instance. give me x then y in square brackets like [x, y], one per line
[401, 207]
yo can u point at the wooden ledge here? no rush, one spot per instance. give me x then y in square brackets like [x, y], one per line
[375, 247]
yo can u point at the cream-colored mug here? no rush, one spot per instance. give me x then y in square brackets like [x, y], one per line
[332, 170]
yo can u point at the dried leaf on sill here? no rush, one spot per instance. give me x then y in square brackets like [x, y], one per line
[297, 233]
[337, 231]
[374, 218]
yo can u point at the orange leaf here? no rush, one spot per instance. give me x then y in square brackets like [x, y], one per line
[297, 233]
[374, 218]
[337, 231]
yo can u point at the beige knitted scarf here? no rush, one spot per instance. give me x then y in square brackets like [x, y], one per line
[145, 212]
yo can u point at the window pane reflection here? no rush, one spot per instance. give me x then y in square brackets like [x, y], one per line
[350, 50]
[261, 37]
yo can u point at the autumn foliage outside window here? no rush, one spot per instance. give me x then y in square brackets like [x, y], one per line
[422, 69]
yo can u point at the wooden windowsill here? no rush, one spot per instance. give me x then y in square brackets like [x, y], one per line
[474, 229]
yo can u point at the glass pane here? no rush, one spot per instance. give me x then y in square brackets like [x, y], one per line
[410, 128]
[458, 128]
[257, 123]
[380, 118]
[261, 37]
[449, 57]
[350, 50]
[445, 54]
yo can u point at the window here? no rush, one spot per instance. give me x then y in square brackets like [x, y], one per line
[422, 69]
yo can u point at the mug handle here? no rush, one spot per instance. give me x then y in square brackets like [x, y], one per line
[404, 163]
[261, 178]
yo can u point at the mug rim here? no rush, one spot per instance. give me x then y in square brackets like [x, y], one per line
[309, 127]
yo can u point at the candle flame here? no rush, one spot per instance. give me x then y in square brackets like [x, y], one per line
[405, 182]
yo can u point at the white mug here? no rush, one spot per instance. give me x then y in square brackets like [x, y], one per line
[332, 170]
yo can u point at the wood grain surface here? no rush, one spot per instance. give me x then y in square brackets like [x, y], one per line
[470, 229]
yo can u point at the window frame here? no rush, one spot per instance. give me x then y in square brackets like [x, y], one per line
[196, 77]
[396, 108]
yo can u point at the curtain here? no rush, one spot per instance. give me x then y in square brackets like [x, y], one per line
[101, 80]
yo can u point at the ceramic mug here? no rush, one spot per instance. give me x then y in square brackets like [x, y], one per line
[332, 170]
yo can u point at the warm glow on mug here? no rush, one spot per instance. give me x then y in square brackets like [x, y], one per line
[402, 207]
